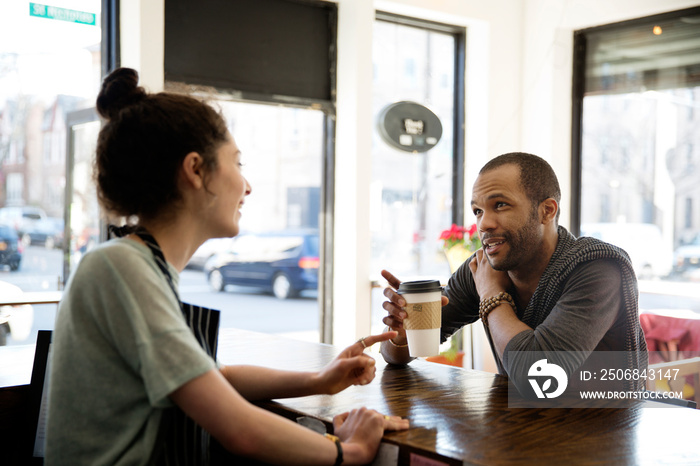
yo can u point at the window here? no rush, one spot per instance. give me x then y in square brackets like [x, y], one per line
[282, 157]
[215, 47]
[14, 187]
[415, 195]
[636, 143]
[49, 67]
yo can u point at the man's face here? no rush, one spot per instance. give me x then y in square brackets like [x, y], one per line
[509, 226]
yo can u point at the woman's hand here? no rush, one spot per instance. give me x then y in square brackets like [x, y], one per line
[361, 430]
[351, 367]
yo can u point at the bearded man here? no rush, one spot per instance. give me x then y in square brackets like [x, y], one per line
[537, 289]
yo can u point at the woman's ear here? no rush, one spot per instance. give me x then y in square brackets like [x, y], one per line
[192, 170]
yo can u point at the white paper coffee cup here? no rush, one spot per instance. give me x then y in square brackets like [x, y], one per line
[424, 309]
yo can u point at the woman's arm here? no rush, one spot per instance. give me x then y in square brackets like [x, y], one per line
[261, 383]
[250, 431]
[351, 367]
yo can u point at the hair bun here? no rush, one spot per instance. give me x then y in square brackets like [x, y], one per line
[119, 90]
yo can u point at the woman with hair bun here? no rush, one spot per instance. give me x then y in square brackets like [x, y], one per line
[123, 355]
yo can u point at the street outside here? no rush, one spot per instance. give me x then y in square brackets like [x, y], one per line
[250, 309]
[243, 308]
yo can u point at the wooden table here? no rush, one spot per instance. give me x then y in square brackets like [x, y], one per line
[461, 416]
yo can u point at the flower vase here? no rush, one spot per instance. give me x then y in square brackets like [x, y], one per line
[456, 255]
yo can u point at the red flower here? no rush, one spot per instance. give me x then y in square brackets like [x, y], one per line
[460, 235]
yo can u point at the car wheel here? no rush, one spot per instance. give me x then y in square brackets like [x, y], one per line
[14, 265]
[216, 280]
[282, 287]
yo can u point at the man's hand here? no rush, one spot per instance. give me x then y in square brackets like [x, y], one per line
[396, 306]
[489, 282]
[502, 321]
[352, 366]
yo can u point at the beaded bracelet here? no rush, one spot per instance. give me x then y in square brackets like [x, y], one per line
[336, 440]
[489, 304]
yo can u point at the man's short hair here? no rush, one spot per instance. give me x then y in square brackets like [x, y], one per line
[536, 175]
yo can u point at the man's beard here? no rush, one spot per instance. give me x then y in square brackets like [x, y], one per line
[520, 245]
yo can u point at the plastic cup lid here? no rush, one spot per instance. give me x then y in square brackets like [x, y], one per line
[419, 286]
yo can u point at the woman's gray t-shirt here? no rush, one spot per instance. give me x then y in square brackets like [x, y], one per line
[120, 347]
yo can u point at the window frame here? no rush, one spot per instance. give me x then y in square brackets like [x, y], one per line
[578, 91]
[327, 201]
[459, 33]
[110, 54]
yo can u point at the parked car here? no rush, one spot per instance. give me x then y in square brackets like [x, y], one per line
[14, 320]
[651, 255]
[206, 251]
[46, 232]
[282, 262]
[687, 258]
[21, 218]
[10, 248]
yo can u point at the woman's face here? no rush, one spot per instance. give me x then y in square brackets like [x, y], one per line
[228, 188]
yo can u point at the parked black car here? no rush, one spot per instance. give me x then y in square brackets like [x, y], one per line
[10, 247]
[283, 262]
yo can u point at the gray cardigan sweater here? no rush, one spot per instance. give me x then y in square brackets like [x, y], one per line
[586, 300]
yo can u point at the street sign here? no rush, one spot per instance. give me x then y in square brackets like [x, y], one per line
[62, 14]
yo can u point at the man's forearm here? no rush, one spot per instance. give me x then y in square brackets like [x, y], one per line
[504, 325]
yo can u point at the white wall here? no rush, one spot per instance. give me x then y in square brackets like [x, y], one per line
[518, 77]
[142, 30]
[354, 128]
